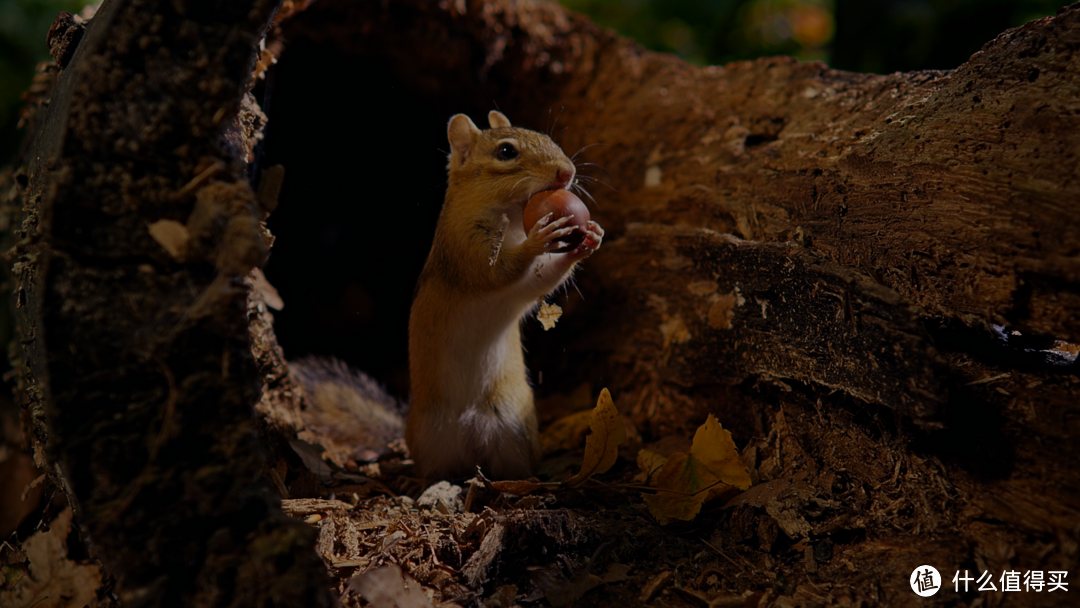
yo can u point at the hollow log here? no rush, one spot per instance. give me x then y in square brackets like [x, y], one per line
[873, 281]
[136, 364]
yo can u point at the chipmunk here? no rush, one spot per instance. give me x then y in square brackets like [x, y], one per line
[471, 400]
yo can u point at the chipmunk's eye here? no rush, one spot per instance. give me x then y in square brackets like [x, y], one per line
[506, 152]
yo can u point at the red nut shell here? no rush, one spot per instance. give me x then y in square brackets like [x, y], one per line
[562, 203]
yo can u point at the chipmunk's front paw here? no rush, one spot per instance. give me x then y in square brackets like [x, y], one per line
[548, 233]
[593, 238]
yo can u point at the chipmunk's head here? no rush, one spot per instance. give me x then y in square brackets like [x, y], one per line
[504, 165]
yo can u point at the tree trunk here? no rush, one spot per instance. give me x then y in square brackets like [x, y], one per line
[872, 281]
[136, 365]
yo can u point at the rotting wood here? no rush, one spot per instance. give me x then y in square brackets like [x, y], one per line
[136, 365]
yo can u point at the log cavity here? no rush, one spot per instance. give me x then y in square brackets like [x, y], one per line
[365, 174]
[362, 191]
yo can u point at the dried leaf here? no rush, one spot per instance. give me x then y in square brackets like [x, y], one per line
[616, 573]
[686, 481]
[602, 445]
[560, 591]
[650, 464]
[389, 587]
[548, 315]
[54, 581]
[715, 450]
[565, 433]
[682, 480]
[172, 236]
[502, 598]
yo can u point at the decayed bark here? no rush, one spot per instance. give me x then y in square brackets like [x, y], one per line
[136, 363]
[817, 257]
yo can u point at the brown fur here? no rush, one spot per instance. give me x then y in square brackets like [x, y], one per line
[472, 404]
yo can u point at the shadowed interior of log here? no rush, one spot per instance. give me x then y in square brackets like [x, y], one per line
[365, 175]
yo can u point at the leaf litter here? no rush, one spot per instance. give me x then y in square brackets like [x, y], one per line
[638, 526]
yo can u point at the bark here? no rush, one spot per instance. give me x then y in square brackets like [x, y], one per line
[820, 258]
[136, 365]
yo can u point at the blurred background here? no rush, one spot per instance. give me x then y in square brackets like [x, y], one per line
[23, 25]
[880, 36]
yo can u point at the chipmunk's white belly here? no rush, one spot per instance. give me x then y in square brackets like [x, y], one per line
[484, 389]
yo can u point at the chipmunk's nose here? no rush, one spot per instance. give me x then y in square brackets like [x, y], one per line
[564, 176]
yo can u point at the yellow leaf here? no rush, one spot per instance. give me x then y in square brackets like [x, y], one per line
[715, 450]
[650, 464]
[686, 481]
[602, 445]
[677, 498]
[566, 432]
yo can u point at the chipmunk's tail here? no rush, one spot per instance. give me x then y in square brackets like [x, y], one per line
[348, 408]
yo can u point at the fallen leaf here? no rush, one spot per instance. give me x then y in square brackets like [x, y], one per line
[502, 598]
[54, 580]
[389, 587]
[548, 315]
[602, 445]
[687, 481]
[650, 464]
[616, 573]
[715, 449]
[561, 591]
[565, 433]
[172, 236]
[681, 490]
[654, 585]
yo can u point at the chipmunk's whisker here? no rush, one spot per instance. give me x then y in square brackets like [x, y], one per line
[518, 183]
[590, 179]
[556, 121]
[583, 148]
[581, 189]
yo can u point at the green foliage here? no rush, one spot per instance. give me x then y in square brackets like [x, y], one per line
[863, 35]
[902, 35]
[23, 25]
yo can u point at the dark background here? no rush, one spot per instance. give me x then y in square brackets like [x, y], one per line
[880, 36]
[362, 191]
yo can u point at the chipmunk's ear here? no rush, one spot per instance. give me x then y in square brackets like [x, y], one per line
[497, 119]
[462, 134]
